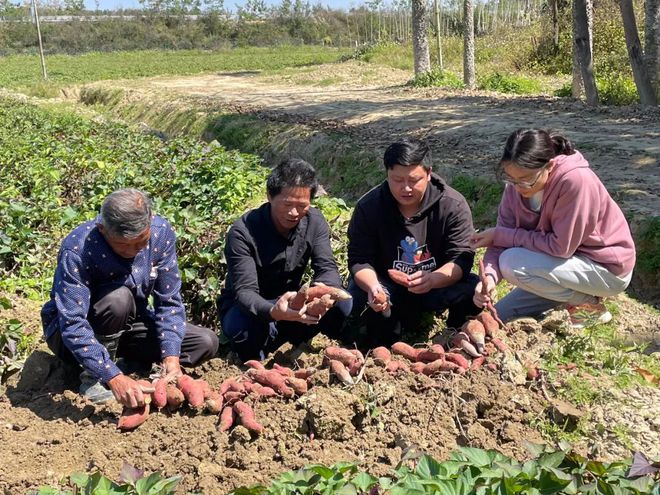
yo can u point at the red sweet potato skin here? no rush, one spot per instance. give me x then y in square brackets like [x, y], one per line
[227, 418]
[405, 350]
[272, 379]
[489, 323]
[338, 369]
[214, 402]
[246, 417]
[160, 393]
[381, 355]
[131, 418]
[458, 359]
[174, 397]
[192, 390]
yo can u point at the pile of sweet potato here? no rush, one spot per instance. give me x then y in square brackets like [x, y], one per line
[468, 350]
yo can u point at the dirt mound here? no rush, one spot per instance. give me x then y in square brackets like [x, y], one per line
[48, 431]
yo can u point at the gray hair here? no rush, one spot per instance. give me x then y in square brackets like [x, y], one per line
[126, 213]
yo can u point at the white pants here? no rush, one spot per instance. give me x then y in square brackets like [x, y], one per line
[544, 282]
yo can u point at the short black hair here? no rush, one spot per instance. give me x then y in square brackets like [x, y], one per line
[293, 172]
[408, 152]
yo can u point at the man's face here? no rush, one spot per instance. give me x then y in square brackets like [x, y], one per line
[126, 248]
[289, 207]
[408, 184]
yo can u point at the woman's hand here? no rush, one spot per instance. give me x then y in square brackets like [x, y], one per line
[482, 239]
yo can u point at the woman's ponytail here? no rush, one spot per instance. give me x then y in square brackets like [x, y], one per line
[561, 144]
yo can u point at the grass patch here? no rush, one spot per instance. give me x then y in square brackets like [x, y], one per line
[438, 79]
[22, 72]
[509, 83]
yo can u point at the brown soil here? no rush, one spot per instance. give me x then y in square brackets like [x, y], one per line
[48, 431]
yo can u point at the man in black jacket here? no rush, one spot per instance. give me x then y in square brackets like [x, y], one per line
[408, 249]
[267, 251]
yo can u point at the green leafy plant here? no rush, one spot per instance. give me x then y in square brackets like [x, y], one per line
[437, 78]
[471, 470]
[132, 481]
[508, 83]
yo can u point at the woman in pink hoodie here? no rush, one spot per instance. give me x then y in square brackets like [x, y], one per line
[560, 238]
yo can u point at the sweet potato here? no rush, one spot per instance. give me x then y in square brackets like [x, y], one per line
[338, 369]
[417, 368]
[272, 379]
[232, 396]
[227, 418]
[214, 402]
[298, 385]
[232, 384]
[246, 417]
[489, 323]
[131, 418]
[263, 392]
[206, 388]
[493, 366]
[304, 373]
[192, 390]
[501, 346]
[476, 333]
[532, 371]
[433, 353]
[282, 370]
[477, 363]
[381, 355]
[174, 397]
[458, 359]
[395, 365]
[318, 290]
[405, 350]
[358, 355]
[253, 363]
[462, 341]
[160, 393]
[298, 301]
[345, 356]
[318, 307]
[438, 366]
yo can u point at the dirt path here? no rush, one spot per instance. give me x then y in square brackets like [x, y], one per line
[466, 129]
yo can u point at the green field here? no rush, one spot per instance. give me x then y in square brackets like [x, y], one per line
[23, 71]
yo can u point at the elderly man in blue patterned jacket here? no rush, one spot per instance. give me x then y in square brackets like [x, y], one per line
[107, 269]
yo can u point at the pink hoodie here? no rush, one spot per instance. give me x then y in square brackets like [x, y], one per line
[577, 217]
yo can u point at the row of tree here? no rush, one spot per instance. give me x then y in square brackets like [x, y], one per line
[645, 62]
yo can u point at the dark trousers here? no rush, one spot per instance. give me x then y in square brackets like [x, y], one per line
[113, 315]
[252, 338]
[407, 308]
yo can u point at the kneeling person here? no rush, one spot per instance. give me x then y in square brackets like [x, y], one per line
[409, 248]
[267, 251]
[98, 310]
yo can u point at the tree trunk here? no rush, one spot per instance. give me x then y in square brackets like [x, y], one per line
[642, 81]
[582, 39]
[420, 37]
[554, 15]
[652, 42]
[468, 44]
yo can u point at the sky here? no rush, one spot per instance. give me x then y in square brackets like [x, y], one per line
[229, 4]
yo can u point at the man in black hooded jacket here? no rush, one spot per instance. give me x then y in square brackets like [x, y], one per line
[408, 249]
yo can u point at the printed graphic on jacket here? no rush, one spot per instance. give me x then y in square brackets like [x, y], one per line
[413, 257]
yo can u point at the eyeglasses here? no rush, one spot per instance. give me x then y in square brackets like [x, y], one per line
[523, 184]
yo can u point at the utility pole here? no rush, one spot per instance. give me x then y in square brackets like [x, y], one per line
[437, 31]
[41, 46]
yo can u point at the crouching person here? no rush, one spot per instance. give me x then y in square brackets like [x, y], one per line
[107, 269]
[267, 251]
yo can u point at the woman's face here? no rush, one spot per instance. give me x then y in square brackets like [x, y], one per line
[527, 181]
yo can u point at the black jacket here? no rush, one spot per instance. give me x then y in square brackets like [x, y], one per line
[379, 235]
[262, 264]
